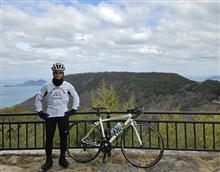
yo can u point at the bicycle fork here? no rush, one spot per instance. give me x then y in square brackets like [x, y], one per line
[133, 124]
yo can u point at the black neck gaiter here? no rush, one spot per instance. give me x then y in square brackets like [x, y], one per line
[57, 82]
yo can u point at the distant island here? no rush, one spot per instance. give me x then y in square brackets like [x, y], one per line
[29, 83]
[214, 78]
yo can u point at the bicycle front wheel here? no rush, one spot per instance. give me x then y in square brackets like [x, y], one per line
[145, 154]
[83, 150]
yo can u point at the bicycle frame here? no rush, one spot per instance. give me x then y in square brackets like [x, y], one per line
[127, 123]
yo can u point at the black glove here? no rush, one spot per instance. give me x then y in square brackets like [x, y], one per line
[69, 113]
[42, 115]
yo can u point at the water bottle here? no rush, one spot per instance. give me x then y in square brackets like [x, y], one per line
[116, 129]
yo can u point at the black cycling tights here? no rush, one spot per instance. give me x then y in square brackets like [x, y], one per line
[63, 124]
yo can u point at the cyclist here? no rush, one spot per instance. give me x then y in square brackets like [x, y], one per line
[56, 93]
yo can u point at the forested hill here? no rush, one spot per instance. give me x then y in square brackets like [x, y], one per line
[154, 91]
[124, 82]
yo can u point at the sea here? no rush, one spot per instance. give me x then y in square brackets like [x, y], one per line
[11, 94]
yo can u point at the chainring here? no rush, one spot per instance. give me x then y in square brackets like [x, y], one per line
[105, 146]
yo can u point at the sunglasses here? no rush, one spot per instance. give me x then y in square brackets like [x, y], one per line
[58, 72]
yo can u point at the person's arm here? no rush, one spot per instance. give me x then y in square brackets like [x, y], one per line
[72, 92]
[39, 97]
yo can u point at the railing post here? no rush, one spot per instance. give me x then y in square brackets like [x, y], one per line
[108, 123]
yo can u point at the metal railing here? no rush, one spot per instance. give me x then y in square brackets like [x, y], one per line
[186, 131]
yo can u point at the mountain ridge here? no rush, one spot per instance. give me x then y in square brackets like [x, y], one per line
[155, 91]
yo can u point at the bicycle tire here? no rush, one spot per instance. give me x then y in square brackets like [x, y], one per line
[153, 144]
[83, 152]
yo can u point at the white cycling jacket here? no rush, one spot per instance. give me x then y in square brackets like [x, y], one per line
[57, 98]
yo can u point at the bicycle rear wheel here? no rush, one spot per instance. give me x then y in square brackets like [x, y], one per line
[89, 149]
[147, 154]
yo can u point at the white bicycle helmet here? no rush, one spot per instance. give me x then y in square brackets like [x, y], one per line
[58, 67]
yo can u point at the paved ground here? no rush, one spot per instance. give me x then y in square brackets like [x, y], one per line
[172, 161]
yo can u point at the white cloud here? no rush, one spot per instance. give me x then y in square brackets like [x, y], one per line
[109, 15]
[112, 36]
[149, 50]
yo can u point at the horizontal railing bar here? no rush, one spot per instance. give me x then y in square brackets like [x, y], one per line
[21, 122]
[121, 112]
[161, 121]
[175, 149]
[150, 121]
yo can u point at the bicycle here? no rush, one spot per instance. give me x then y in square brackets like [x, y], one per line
[141, 144]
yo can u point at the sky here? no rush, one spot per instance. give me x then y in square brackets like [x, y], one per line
[94, 36]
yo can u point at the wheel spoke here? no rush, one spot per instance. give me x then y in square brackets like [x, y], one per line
[147, 154]
[88, 149]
